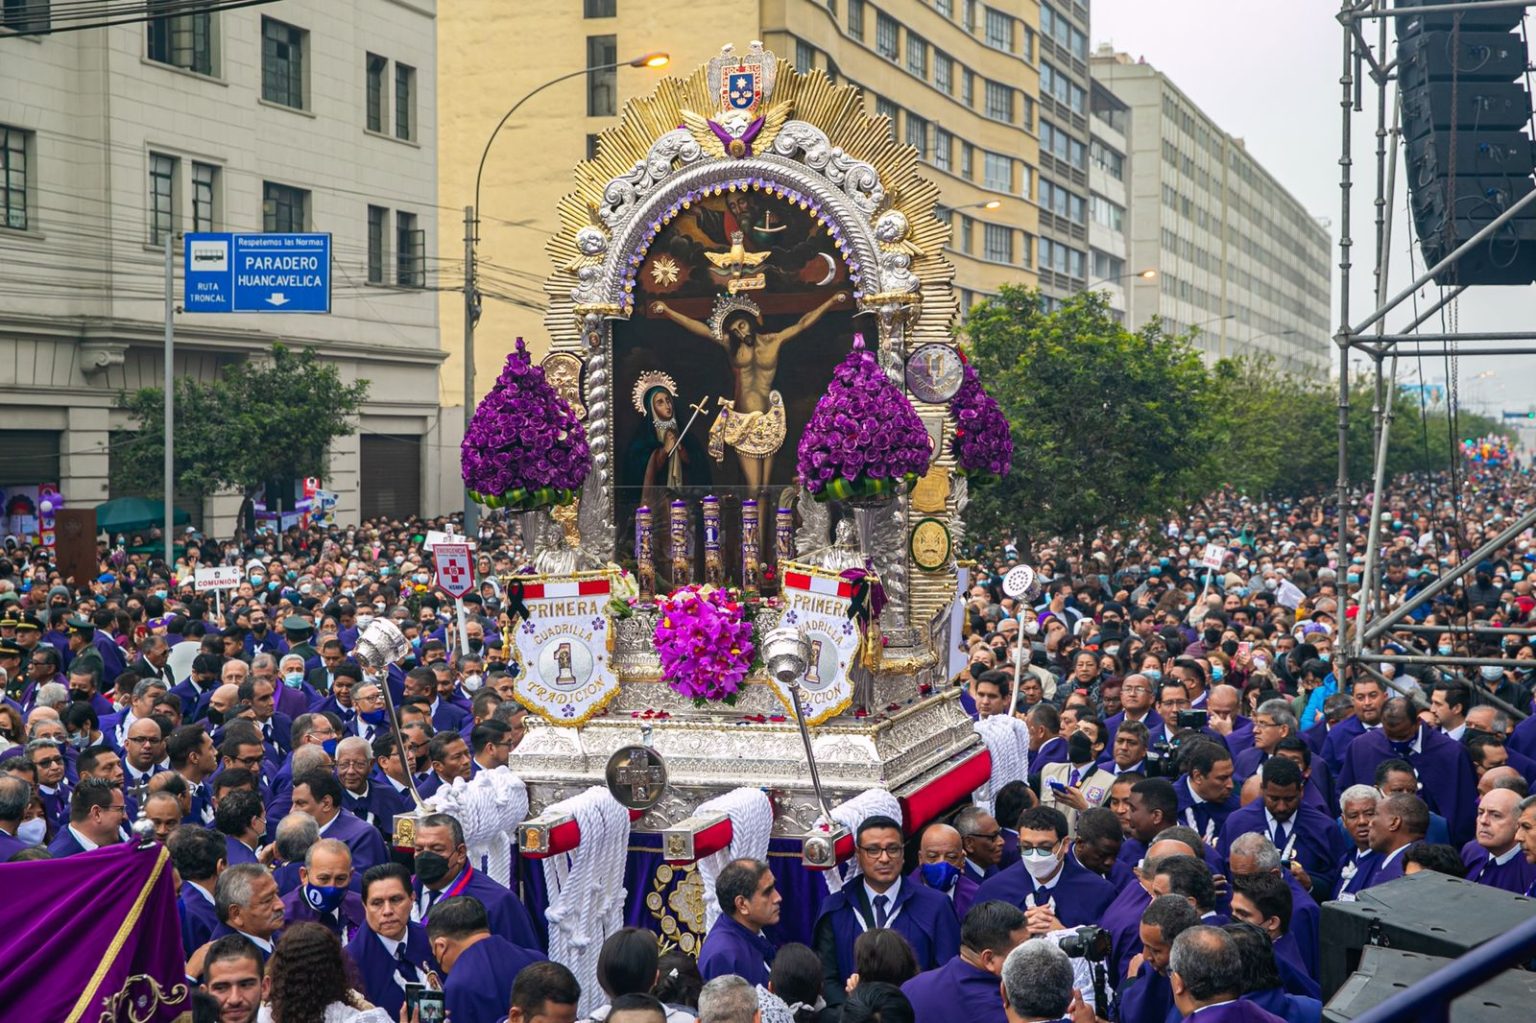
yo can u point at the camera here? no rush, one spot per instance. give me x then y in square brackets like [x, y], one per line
[1162, 759]
[1196, 719]
[1088, 942]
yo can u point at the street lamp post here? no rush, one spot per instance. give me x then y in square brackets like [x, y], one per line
[987, 204]
[472, 235]
[1149, 274]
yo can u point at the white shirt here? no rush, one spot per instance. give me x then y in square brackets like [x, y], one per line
[202, 891]
[85, 843]
[890, 900]
[1499, 861]
[392, 947]
[261, 943]
[1211, 1006]
[1454, 733]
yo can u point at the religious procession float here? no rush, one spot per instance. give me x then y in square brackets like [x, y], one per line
[742, 470]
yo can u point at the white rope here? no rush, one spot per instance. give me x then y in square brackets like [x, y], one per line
[489, 808]
[751, 817]
[850, 814]
[1007, 741]
[586, 888]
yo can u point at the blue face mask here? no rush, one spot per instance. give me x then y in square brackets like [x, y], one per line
[1153, 675]
[324, 898]
[1515, 577]
[374, 717]
[1352, 578]
[940, 876]
[1324, 656]
[293, 679]
[1445, 651]
[1217, 673]
[329, 745]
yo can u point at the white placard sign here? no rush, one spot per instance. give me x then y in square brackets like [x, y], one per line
[455, 568]
[219, 577]
[563, 645]
[1214, 556]
[816, 603]
[437, 536]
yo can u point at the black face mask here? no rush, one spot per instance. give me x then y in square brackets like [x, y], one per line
[79, 696]
[431, 867]
[215, 716]
[1079, 749]
[1212, 637]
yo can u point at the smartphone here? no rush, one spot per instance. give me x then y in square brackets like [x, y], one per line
[1058, 786]
[426, 1003]
[1244, 648]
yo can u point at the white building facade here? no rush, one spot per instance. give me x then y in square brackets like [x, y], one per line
[1108, 212]
[1236, 255]
[307, 115]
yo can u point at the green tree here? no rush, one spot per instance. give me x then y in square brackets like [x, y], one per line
[1109, 425]
[258, 422]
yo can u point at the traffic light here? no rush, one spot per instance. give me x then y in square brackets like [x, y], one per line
[1464, 110]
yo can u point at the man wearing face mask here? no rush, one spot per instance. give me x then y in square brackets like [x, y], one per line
[1077, 784]
[260, 639]
[372, 718]
[443, 871]
[17, 834]
[294, 696]
[966, 986]
[940, 859]
[1052, 888]
[324, 894]
[480, 965]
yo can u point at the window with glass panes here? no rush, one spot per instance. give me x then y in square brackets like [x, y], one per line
[999, 101]
[13, 178]
[943, 149]
[917, 55]
[997, 172]
[599, 8]
[205, 190]
[377, 216]
[997, 243]
[999, 30]
[602, 86]
[282, 63]
[162, 197]
[378, 67]
[405, 101]
[180, 40]
[917, 135]
[886, 35]
[410, 252]
[283, 208]
[805, 55]
[944, 72]
[856, 19]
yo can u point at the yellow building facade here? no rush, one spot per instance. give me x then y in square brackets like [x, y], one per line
[958, 79]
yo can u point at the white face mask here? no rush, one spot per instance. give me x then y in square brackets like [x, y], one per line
[472, 683]
[1040, 865]
[33, 832]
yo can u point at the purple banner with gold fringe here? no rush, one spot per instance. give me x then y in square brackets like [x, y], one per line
[93, 938]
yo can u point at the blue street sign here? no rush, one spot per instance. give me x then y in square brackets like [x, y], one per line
[257, 273]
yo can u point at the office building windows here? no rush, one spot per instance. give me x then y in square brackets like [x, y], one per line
[886, 35]
[377, 67]
[13, 177]
[856, 19]
[599, 8]
[885, 108]
[410, 252]
[1109, 214]
[967, 161]
[283, 208]
[25, 15]
[943, 149]
[999, 26]
[997, 172]
[405, 101]
[602, 86]
[180, 40]
[205, 197]
[377, 216]
[998, 243]
[282, 63]
[999, 101]
[917, 56]
[805, 55]
[944, 72]
[917, 135]
[162, 197]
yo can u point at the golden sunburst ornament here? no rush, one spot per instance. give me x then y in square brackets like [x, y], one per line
[665, 271]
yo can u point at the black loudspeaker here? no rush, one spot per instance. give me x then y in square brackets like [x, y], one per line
[1384, 972]
[1433, 914]
[1464, 108]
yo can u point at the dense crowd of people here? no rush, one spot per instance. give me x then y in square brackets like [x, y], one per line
[1203, 774]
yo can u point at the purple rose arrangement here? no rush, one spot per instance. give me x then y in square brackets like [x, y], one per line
[983, 446]
[525, 448]
[705, 643]
[865, 440]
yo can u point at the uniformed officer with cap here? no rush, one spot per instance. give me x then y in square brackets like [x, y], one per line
[11, 659]
[29, 632]
[82, 632]
[298, 630]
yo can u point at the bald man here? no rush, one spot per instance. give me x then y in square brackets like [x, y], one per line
[1224, 702]
[1494, 857]
[1505, 777]
[1444, 767]
[224, 700]
[941, 866]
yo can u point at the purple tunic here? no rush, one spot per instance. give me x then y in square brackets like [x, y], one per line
[480, 984]
[956, 990]
[1448, 783]
[1309, 837]
[1240, 1011]
[376, 967]
[1340, 736]
[731, 948]
[1515, 876]
[1080, 895]
[199, 919]
[1122, 919]
[923, 916]
[1146, 997]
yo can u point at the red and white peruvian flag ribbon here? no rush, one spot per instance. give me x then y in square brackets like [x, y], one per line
[818, 584]
[551, 591]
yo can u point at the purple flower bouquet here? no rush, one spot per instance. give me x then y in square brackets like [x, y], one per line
[865, 440]
[525, 449]
[983, 445]
[705, 643]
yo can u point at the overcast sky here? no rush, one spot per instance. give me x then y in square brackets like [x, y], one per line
[1268, 72]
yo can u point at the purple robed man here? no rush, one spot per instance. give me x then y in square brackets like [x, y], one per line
[1340, 737]
[1494, 857]
[1079, 895]
[481, 966]
[957, 990]
[730, 947]
[117, 905]
[1447, 781]
[1297, 830]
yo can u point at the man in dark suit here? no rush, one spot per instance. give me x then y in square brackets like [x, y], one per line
[154, 651]
[481, 966]
[247, 902]
[319, 794]
[1448, 782]
[95, 815]
[324, 895]
[390, 951]
[199, 686]
[199, 858]
[276, 728]
[443, 871]
[1205, 971]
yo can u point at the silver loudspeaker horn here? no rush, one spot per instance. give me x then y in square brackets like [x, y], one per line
[381, 645]
[786, 653]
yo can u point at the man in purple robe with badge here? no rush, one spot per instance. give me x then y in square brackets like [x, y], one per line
[1300, 832]
[443, 871]
[1207, 796]
[324, 894]
[1446, 779]
[319, 794]
[966, 986]
[199, 858]
[390, 951]
[1206, 974]
[1145, 995]
[1494, 857]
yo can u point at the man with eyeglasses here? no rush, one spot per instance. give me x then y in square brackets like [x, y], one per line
[492, 743]
[1135, 705]
[95, 815]
[1052, 888]
[982, 838]
[47, 759]
[883, 899]
[143, 756]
